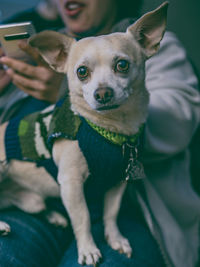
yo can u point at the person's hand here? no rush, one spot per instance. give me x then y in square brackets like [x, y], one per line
[5, 79]
[38, 81]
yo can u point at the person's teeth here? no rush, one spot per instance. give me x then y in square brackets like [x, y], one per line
[73, 6]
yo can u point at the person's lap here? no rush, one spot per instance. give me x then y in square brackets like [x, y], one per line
[32, 241]
[145, 249]
[35, 243]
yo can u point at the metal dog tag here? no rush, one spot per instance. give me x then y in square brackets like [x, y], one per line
[135, 169]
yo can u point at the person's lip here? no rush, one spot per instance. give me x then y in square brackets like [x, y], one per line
[73, 8]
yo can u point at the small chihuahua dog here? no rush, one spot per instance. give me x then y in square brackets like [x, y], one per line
[106, 77]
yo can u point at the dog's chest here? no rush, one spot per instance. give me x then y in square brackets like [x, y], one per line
[105, 160]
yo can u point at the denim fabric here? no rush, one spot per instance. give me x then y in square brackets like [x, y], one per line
[35, 243]
[32, 242]
[145, 249]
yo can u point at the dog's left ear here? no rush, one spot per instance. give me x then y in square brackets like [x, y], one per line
[150, 28]
[53, 47]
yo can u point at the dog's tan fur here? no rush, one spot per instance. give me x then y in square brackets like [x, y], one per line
[64, 54]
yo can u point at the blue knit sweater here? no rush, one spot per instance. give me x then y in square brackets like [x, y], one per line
[105, 160]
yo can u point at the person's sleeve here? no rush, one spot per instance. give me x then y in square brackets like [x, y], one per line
[174, 109]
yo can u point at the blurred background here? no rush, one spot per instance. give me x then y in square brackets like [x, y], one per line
[10, 7]
[183, 19]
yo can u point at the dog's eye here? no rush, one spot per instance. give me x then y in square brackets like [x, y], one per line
[122, 66]
[82, 73]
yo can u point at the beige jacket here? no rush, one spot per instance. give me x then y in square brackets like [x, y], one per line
[171, 207]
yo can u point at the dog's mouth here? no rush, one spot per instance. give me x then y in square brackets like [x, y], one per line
[109, 107]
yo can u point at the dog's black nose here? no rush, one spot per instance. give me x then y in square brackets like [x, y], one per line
[103, 95]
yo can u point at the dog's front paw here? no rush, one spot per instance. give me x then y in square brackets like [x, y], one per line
[4, 228]
[119, 243]
[89, 255]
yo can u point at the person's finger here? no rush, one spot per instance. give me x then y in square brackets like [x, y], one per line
[17, 65]
[42, 95]
[34, 88]
[30, 84]
[33, 53]
[33, 93]
[24, 68]
[30, 91]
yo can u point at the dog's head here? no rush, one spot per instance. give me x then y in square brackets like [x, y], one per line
[105, 70]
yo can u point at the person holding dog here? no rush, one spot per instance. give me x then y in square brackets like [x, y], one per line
[169, 204]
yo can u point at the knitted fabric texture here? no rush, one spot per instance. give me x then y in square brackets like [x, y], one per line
[25, 139]
[115, 138]
[29, 137]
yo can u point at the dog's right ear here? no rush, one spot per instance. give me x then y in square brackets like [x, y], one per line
[54, 48]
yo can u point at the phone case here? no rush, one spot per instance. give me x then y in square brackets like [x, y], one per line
[11, 34]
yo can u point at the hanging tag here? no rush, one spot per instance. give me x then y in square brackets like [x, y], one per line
[135, 169]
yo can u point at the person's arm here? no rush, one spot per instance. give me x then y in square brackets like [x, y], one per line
[174, 110]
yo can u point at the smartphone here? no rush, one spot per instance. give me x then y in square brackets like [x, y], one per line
[11, 34]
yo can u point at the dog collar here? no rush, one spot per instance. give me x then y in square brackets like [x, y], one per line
[116, 138]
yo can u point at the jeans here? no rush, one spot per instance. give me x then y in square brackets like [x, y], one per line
[35, 243]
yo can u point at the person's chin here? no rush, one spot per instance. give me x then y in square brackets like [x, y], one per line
[81, 30]
[78, 29]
